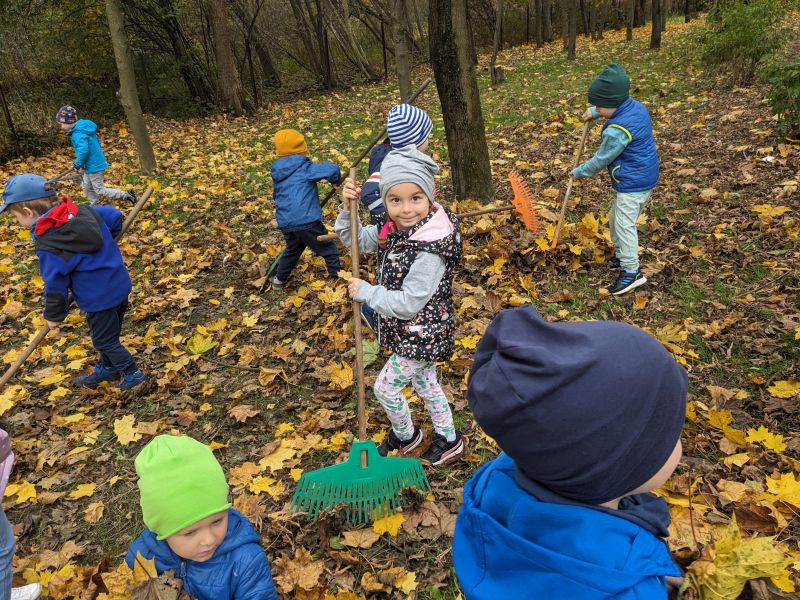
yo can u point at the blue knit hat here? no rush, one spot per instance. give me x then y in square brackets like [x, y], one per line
[408, 125]
[67, 115]
[589, 410]
[24, 187]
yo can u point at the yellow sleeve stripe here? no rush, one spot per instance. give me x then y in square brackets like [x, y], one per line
[621, 128]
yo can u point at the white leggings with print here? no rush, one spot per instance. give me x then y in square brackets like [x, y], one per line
[396, 374]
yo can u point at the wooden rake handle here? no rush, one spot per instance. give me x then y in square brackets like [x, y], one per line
[42, 333]
[563, 212]
[355, 225]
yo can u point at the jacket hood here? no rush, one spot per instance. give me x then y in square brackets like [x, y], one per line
[438, 227]
[84, 126]
[284, 167]
[503, 531]
[239, 534]
[81, 234]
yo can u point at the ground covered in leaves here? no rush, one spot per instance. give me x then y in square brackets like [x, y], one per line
[264, 377]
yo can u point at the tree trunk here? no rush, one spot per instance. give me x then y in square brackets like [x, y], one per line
[572, 28]
[401, 59]
[601, 25]
[454, 70]
[640, 18]
[255, 35]
[538, 22]
[687, 12]
[547, 21]
[495, 72]
[229, 89]
[664, 11]
[629, 21]
[128, 95]
[584, 12]
[593, 18]
[655, 36]
[10, 122]
[565, 12]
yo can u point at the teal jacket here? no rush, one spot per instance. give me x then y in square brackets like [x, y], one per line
[88, 153]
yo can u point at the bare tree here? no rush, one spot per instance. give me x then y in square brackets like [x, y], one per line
[128, 94]
[229, 89]
[452, 57]
[401, 59]
[572, 27]
[629, 21]
[655, 36]
[496, 72]
[547, 21]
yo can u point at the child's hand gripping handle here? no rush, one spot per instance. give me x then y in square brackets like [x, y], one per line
[563, 212]
[354, 257]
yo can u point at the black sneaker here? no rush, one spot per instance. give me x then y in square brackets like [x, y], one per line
[131, 196]
[614, 265]
[392, 442]
[441, 451]
[627, 281]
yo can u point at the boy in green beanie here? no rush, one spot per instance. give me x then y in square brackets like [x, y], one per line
[191, 527]
[628, 150]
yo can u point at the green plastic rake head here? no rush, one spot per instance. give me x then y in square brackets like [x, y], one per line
[370, 491]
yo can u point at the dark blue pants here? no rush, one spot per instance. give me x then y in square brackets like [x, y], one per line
[105, 327]
[296, 243]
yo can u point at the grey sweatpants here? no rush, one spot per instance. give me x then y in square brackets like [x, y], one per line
[95, 188]
[622, 221]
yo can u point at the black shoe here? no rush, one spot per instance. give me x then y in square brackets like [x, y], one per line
[368, 316]
[131, 196]
[614, 265]
[392, 442]
[441, 451]
[627, 281]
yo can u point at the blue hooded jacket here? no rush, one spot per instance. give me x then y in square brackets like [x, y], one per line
[295, 178]
[636, 169]
[82, 258]
[371, 190]
[238, 569]
[88, 153]
[508, 544]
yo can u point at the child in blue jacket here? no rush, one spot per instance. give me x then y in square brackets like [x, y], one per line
[191, 527]
[589, 417]
[79, 258]
[89, 157]
[628, 151]
[406, 125]
[297, 205]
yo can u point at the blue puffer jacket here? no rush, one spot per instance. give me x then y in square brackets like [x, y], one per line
[238, 570]
[82, 257]
[88, 153]
[295, 178]
[636, 169]
[509, 545]
[371, 190]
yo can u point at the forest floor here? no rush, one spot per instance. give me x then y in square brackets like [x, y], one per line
[264, 376]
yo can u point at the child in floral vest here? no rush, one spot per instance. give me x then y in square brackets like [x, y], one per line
[419, 247]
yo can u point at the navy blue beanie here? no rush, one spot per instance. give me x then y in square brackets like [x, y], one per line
[590, 410]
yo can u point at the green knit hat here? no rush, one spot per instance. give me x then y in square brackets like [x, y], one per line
[180, 483]
[611, 88]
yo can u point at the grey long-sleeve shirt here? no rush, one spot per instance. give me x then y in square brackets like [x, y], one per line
[419, 284]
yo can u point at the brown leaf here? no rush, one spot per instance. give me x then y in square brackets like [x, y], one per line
[242, 412]
[166, 587]
[298, 573]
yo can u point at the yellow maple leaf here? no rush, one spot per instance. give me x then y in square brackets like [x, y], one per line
[24, 491]
[10, 396]
[200, 344]
[360, 538]
[723, 572]
[787, 488]
[469, 342]
[94, 512]
[768, 210]
[296, 474]
[406, 582]
[54, 378]
[771, 441]
[736, 459]
[341, 376]
[125, 430]
[74, 352]
[283, 428]
[389, 524]
[496, 268]
[84, 490]
[274, 461]
[785, 388]
[144, 568]
[335, 295]
[57, 393]
[267, 484]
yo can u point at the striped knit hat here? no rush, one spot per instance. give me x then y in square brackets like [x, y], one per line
[67, 115]
[408, 125]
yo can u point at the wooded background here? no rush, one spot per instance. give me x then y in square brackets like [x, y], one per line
[195, 57]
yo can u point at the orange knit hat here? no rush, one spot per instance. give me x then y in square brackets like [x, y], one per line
[290, 141]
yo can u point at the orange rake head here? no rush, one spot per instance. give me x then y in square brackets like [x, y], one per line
[523, 202]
